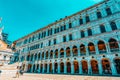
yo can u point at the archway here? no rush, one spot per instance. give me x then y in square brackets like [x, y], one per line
[56, 68]
[82, 50]
[50, 67]
[91, 48]
[67, 51]
[41, 68]
[106, 66]
[45, 68]
[94, 66]
[68, 67]
[51, 54]
[28, 57]
[61, 53]
[113, 45]
[117, 65]
[39, 56]
[29, 68]
[34, 68]
[47, 55]
[75, 51]
[37, 69]
[101, 47]
[43, 55]
[61, 67]
[76, 67]
[56, 53]
[85, 67]
[35, 56]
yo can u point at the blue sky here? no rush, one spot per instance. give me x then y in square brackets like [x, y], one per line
[21, 17]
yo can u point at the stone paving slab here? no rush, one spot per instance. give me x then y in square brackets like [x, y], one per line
[54, 77]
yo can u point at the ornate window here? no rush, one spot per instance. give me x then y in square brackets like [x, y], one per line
[99, 15]
[102, 28]
[70, 25]
[82, 34]
[87, 19]
[108, 11]
[70, 37]
[81, 21]
[64, 38]
[89, 32]
[113, 26]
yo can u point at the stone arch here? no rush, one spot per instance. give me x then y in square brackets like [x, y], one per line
[117, 64]
[68, 51]
[34, 68]
[68, 67]
[91, 48]
[42, 55]
[61, 52]
[51, 54]
[84, 66]
[47, 55]
[106, 66]
[37, 69]
[61, 67]
[39, 56]
[82, 49]
[28, 57]
[45, 68]
[113, 44]
[41, 68]
[56, 67]
[75, 51]
[76, 66]
[56, 53]
[50, 68]
[29, 68]
[94, 66]
[101, 46]
[36, 56]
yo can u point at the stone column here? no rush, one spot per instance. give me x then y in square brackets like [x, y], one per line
[53, 69]
[87, 51]
[48, 68]
[65, 68]
[72, 68]
[71, 52]
[58, 67]
[43, 68]
[80, 68]
[107, 48]
[96, 49]
[89, 68]
[78, 50]
[64, 53]
[114, 72]
[100, 67]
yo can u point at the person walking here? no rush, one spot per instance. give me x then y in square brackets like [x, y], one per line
[17, 72]
[0, 72]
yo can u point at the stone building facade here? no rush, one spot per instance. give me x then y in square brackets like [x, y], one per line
[87, 42]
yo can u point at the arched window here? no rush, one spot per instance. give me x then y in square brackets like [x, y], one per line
[113, 45]
[81, 21]
[91, 48]
[56, 53]
[99, 15]
[87, 19]
[113, 25]
[75, 51]
[62, 53]
[101, 47]
[70, 37]
[47, 55]
[67, 51]
[64, 38]
[102, 28]
[108, 11]
[43, 55]
[82, 34]
[82, 50]
[51, 54]
[70, 25]
[89, 32]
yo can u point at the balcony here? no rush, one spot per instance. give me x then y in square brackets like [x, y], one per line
[75, 54]
[83, 53]
[102, 51]
[61, 56]
[92, 52]
[115, 50]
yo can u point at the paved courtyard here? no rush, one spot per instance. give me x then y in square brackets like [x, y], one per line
[54, 77]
